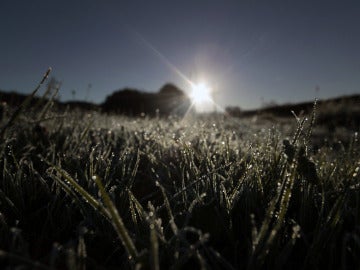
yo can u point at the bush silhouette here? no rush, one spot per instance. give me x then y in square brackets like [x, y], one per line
[128, 101]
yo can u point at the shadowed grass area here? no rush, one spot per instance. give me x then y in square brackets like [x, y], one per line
[85, 190]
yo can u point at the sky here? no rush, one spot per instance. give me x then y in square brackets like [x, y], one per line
[251, 53]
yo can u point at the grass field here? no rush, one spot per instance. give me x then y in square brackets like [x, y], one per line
[82, 190]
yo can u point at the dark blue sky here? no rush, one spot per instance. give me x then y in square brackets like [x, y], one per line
[249, 51]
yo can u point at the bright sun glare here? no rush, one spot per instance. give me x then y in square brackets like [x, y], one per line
[201, 93]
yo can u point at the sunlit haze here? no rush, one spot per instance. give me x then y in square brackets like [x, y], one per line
[201, 95]
[253, 53]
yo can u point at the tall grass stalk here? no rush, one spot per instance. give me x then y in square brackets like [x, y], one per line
[23, 106]
[118, 222]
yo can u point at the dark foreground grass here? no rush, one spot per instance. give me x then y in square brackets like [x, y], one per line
[89, 191]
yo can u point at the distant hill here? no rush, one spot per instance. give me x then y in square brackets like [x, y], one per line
[285, 110]
[170, 99]
[341, 111]
[15, 99]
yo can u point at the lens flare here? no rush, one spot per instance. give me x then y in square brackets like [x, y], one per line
[201, 94]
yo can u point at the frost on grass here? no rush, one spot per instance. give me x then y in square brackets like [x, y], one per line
[215, 192]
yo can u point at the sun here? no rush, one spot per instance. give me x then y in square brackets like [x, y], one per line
[201, 93]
